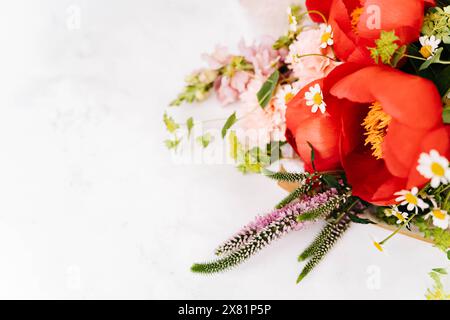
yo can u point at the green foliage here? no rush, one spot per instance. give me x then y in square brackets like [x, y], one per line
[272, 232]
[267, 90]
[317, 242]
[437, 292]
[205, 140]
[323, 245]
[190, 125]
[249, 160]
[440, 237]
[386, 47]
[228, 124]
[198, 86]
[436, 58]
[283, 42]
[325, 209]
[237, 63]
[437, 23]
[285, 176]
[294, 195]
[172, 144]
[171, 125]
[359, 220]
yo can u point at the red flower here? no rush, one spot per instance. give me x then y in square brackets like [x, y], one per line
[357, 24]
[378, 121]
[319, 130]
[393, 118]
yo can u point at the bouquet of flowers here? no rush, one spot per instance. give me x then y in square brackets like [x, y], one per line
[354, 102]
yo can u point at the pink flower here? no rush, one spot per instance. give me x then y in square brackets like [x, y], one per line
[261, 125]
[308, 69]
[228, 90]
[219, 58]
[263, 57]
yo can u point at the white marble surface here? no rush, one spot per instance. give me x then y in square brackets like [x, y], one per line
[91, 205]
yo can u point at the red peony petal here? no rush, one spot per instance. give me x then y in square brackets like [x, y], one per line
[405, 17]
[322, 6]
[392, 89]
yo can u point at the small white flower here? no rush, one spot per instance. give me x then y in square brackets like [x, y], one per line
[285, 94]
[402, 217]
[327, 37]
[410, 199]
[440, 217]
[435, 167]
[314, 98]
[429, 46]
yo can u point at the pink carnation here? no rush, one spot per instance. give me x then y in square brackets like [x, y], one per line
[219, 58]
[311, 68]
[263, 57]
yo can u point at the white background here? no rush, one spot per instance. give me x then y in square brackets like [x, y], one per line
[91, 205]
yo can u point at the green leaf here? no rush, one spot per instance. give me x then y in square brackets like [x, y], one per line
[205, 140]
[357, 219]
[446, 115]
[172, 144]
[267, 90]
[171, 125]
[385, 47]
[398, 55]
[331, 181]
[228, 124]
[435, 59]
[313, 155]
[440, 270]
[448, 254]
[190, 125]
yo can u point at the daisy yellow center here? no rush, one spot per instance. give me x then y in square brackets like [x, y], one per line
[356, 15]
[325, 37]
[378, 246]
[376, 123]
[426, 51]
[410, 198]
[317, 99]
[288, 97]
[437, 169]
[438, 214]
[400, 216]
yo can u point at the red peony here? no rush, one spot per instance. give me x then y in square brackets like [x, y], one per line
[357, 24]
[375, 131]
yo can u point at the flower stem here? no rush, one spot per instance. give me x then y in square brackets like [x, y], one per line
[414, 57]
[398, 229]
[315, 54]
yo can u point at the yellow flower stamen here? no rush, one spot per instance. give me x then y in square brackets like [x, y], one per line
[375, 124]
[437, 169]
[400, 217]
[288, 97]
[325, 37]
[410, 198]
[317, 99]
[378, 246]
[438, 214]
[426, 51]
[356, 15]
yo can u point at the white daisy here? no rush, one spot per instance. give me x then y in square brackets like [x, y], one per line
[440, 217]
[327, 37]
[314, 98]
[410, 199]
[429, 46]
[435, 167]
[284, 95]
[402, 217]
